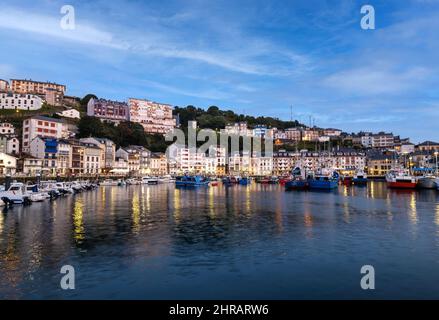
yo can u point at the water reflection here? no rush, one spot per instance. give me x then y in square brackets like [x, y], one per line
[171, 238]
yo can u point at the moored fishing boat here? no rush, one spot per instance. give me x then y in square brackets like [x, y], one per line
[360, 178]
[324, 181]
[400, 179]
[297, 180]
[346, 180]
[427, 182]
[244, 181]
[191, 181]
[16, 194]
[108, 183]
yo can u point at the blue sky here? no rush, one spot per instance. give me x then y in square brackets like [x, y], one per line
[254, 57]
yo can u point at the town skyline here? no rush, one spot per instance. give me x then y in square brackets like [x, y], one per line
[258, 63]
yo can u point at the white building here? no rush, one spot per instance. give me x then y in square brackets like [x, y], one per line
[42, 126]
[120, 167]
[108, 151]
[185, 160]
[8, 164]
[32, 166]
[6, 128]
[238, 128]
[13, 145]
[15, 101]
[383, 140]
[70, 113]
[367, 140]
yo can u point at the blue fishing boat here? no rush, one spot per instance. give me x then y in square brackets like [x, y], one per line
[296, 184]
[297, 181]
[324, 181]
[244, 181]
[191, 181]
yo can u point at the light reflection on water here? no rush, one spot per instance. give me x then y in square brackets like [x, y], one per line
[158, 242]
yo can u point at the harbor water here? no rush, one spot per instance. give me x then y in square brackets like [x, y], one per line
[239, 242]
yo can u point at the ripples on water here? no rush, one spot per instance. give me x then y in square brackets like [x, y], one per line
[158, 242]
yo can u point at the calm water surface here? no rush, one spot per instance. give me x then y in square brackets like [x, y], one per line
[256, 242]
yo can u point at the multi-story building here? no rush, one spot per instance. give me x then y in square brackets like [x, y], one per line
[310, 134]
[158, 164]
[120, 167]
[219, 157]
[240, 163]
[261, 166]
[46, 149]
[42, 126]
[70, 113]
[7, 128]
[380, 164]
[383, 140]
[91, 159]
[428, 146]
[15, 101]
[108, 110]
[31, 166]
[137, 158]
[8, 164]
[4, 86]
[35, 87]
[283, 162]
[153, 116]
[183, 159]
[293, 134]
[78, 151]
[366, 139]
[64, 157]
[108, 152]
[238, 128]
[9, 144]
[331, 132]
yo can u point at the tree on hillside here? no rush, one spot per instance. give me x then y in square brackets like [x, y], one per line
[84, 101]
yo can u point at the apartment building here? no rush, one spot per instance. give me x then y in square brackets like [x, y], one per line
[31, 166]
[158, 164]
[9, 144]
[153, 116]
[108, 152]
[64, 157]
[7, 128]
[428, 146]
[310, 134]
[42, 126]
[4, 85]
[15, 101]
[293, 134]
[46, 149]
[183, 159]
[108, 110]
[238, 128]
[35, 87]
[383, 140]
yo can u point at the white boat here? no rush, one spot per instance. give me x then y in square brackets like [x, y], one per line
[34, 194]
[16, 194]
[132, 181]
[428, 182]
[149, 180]
[64, 188]
[109, 182]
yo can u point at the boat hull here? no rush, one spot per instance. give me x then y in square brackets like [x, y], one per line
[323, 185]
[401, 185]
[427, 183]
[359, 181]
[296, 185]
